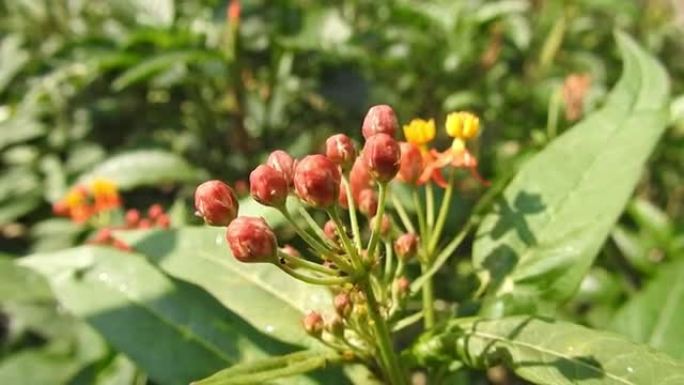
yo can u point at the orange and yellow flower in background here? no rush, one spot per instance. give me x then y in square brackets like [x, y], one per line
[82, 202]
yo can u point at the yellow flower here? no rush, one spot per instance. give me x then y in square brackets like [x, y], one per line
[462, 125]
[420, 132]
[76, 197]
[103, 188]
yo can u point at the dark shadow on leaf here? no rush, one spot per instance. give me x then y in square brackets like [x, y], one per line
[512, 216]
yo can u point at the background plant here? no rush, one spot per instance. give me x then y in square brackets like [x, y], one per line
[91, 82]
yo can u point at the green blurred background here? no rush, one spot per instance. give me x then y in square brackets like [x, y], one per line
[160, 94]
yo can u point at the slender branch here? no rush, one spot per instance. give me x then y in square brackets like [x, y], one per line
[346, 242]
[430, 205]
[428, 299]
[375, 235]
[352, 213]
[313, 242]
[303, 263]
[313, 225]
[328, 281]
[443, 213]
[403, 215]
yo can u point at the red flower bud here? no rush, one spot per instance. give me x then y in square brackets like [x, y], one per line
[342, 304]
[359, 178]
[382, 154]
[132, 218]
[385, 225]
[282, 162]
[251, 240]
[145, 224]
[411, 163]
[154, 211]
[268, 186]
[163, 221]
[216, 202]
[330, 230]
[379, 119]
[313, 324]
[368, 202]
[406, 246]
[317, 181]
[340, 149]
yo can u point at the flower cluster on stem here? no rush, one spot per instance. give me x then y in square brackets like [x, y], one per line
[362, 250]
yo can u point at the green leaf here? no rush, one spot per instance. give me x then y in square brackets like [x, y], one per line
[157, 64]
[18, 283]
[144, 168]
[655, 316]
[174, 331]
[545, 231]
[552, 352]
[264, 296]
[12, 59]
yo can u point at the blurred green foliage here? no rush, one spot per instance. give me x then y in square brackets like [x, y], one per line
[163, 93]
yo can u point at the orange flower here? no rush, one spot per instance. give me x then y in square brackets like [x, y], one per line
[461, 126]
[82, 202]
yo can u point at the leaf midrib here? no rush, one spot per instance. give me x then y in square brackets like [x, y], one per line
[494, 337]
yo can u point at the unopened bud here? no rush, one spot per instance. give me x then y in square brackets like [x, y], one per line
[411, 163]
[252, 240]
[132, 218]
[163, 221]
[379, 119]
[291, 251]
[154, 211]
[406, 246]
[317, 181]
[268, 186]
[382, 154]
[145, 223]
[368, 202]
[282, 162]
[313, 324]
[403, 285]
[342, 304]
[330, 230]
[340, 149]
[216, 202]
[359, 178]
[385, 225]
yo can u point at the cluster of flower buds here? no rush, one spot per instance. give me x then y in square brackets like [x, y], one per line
[86, 201]
[156, 217]
[105, 237]
[361, 257]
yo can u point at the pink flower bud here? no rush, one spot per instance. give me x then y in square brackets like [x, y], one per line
[216, 202]
[317, 181]
[368, 202]
[359, 178]
[411, 163]
[313, 324]
[379, 119]
[403, 285]
[251, 240]
[342, 304]
[154, 211]
[132, 218]
[163, 221]
[406, 246]
[268, 186]
[291, 251]
[145, 223]
[330, 230]
[282, 162]
[382, 154]
[385, 225]
[340, 149]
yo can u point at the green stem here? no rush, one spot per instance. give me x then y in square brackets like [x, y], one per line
[352, 214]
[328, 281]
[443, 213]
[405, 220]
[313, 225]
[303, 263]
[313, 242]
[430, 205]
[346, 242]
[389, 262]
[375, 235]
[421, 216]
[394, 372]
[428, 301]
